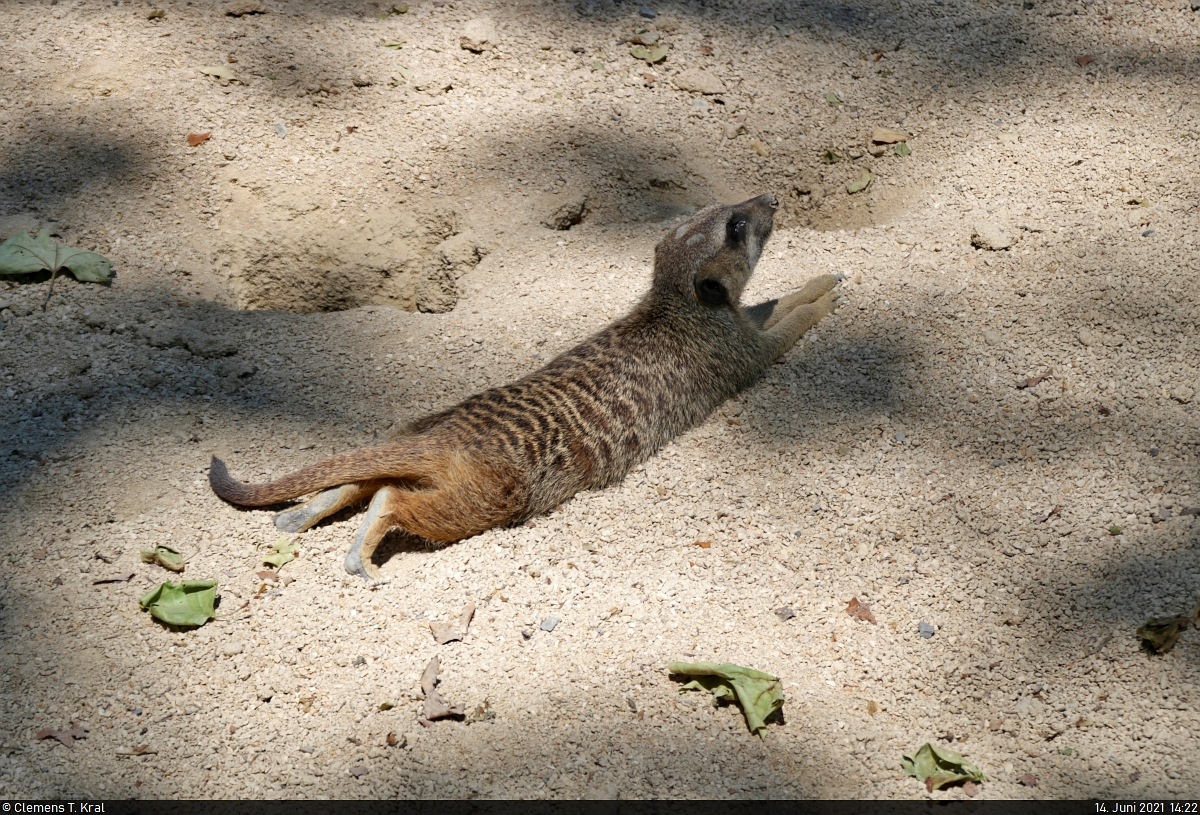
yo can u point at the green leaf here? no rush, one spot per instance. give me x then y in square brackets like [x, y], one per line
[392, 43]
[164, 556]
[759, 694]
[1160, 634]
[282, 552]
[22, 254]
[832, 156]
[1115, 530]
[218, 71]
[937, 767]
[832, 98]
[597, 66]
[652, 55]
[861, 183]
[783, 30]
[188, 604]
[902, 149]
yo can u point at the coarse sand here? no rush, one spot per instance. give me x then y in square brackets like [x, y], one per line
[992, 443]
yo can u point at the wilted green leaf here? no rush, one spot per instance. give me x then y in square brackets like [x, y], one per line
[652, 55]
[783, 30]
[392, 43]
[405, 73]
[386, 706]
[218, 71]
[155, 14]
[164, 556]
[188, 604]
[861, 183]
[283, 551]
[399, 9]
[832, 156]
[902, 149]
[937, 767]
[597, 66]
[759, 694]
[1115, 530]
[832, 98]
[22, 254]
[1161, 633]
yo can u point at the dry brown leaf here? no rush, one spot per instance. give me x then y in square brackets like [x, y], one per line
[704, 544]
[872, 708]
[67, 737]
[197, 139]
[887, 135]
[1084, 60]
[1028, 780]
[860, 611]
[468, 614]
[435, 706]
[121, 578]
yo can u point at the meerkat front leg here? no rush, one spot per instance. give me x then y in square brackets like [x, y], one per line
[764, 316]
[784, 334]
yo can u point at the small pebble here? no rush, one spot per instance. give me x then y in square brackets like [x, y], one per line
[784, 614]
[647, 12]
[999, 462]
[925, 630]
[526, 633]
[230, 649]
[549, 623]
[281, 129]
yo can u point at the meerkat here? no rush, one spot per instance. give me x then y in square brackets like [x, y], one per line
[584, 420]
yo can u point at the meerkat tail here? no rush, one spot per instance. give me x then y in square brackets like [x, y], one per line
[403, 461]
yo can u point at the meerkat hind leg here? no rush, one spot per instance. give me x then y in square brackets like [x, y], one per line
[380, 518]
[303, 517]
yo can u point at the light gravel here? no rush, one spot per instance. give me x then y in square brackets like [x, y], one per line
[898, 455]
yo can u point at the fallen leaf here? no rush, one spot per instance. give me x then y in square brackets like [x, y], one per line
[197, 139]
[706, 50]
[1034, 381]
[783, 30]
[1160, 634]
[435, 706]
[861, 183]
[188, 604]
[758, 147]
[282, 551]
[268, 575]
[218, 71]
[759, 694]
[164, 556]
[444, 633]
[860, 611]
[405, 73]
[468, 614]
[651, 55]
[67, 737]
[832, 157]
[1028, 780]
[1083, 723]
[121, 578]
[902, 149]
[386, 706]
[22, 254]
[392, 43]
[937, 767]
[1051, 514]
[155, 14]
[1083, 60]
[832, 98]
[1115, 530]
[704, 544]
[872, 708]
[887, 135]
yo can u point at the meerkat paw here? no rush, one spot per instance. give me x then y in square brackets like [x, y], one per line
[831, 300]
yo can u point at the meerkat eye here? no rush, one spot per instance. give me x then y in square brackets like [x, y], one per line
[736, 231]
[711, 292]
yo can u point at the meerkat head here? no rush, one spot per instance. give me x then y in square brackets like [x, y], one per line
[709, 258]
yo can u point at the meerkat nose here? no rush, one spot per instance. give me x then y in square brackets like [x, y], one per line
[772, 200]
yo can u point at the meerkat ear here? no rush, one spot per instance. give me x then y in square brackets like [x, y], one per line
[711, 291]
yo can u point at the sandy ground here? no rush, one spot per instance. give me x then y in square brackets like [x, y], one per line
[264, 310]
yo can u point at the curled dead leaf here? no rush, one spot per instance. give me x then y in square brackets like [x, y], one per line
[197, 139]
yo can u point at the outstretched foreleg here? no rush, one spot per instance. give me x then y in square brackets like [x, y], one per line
[765, 316]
